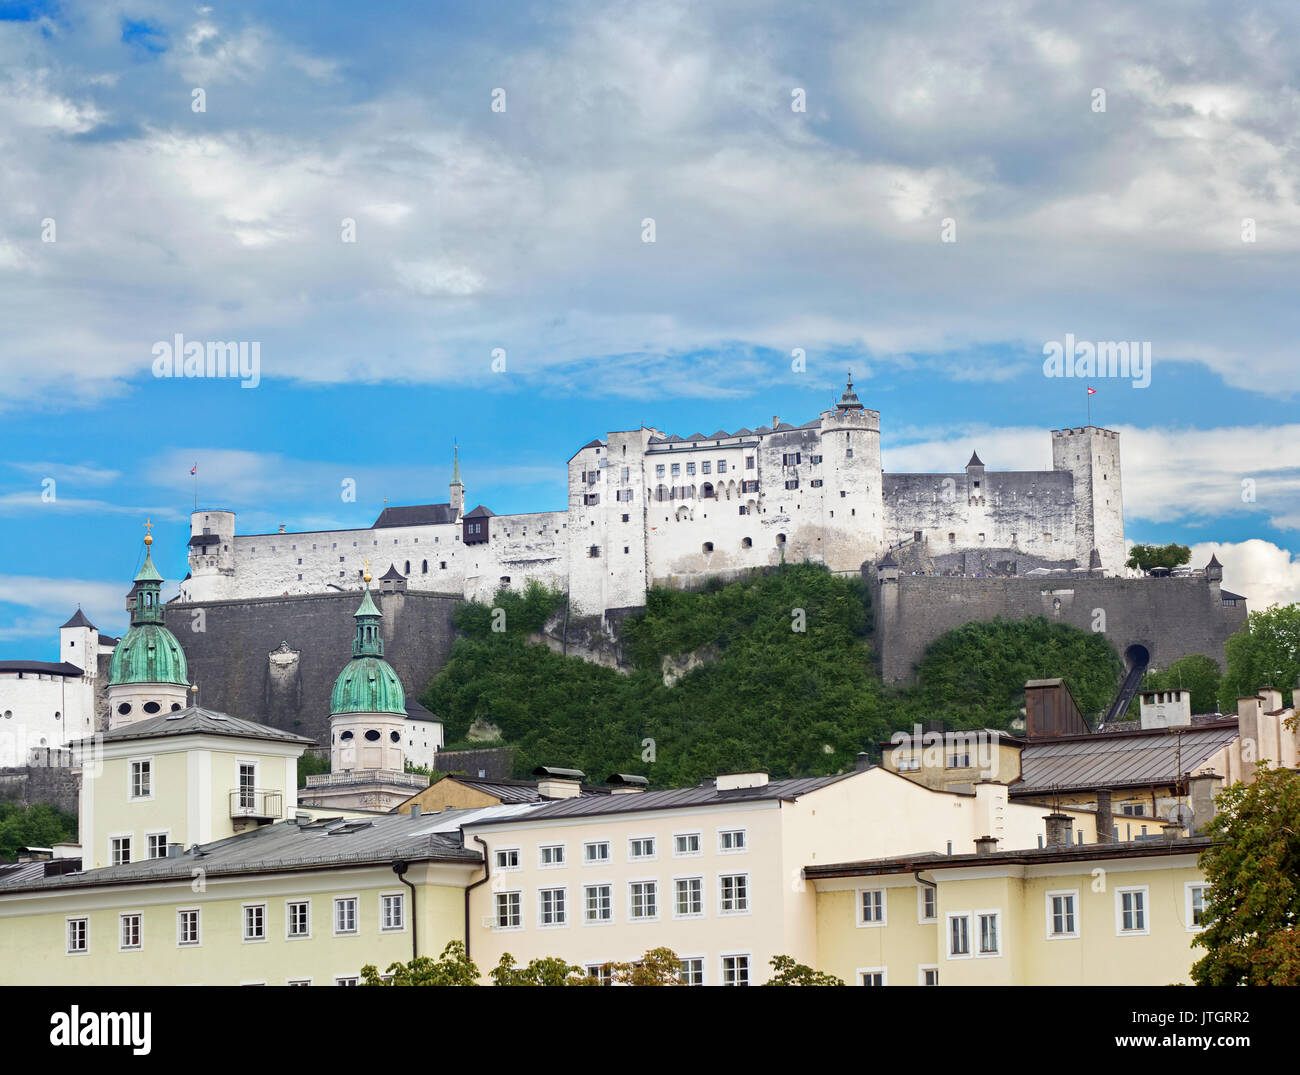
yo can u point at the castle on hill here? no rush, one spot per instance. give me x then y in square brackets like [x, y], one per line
[647, 508]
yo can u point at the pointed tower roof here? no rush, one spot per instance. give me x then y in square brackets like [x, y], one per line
[79, 620]
[455, 466]
[391, 573]
[1214, 562]
[849, 401]
[975, 460]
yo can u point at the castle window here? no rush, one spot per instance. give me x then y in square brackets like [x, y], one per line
[744, 510]
[790, 459]
[625, 518]
[746, 543]
[408, 567]
[443, 565]
[593, 552]
[977, 485]
[505, 580]
[815, 459]
[780, 539]
[951, 537]
[659, 470]
[424, 567]
[749, 462]
[626, 550]
[300, 578]
[706, 467]
[624, 473]
[708, 546]
[722, 466]
[981, 537]
[372, 735]
[848, 453]
[690, 468]
[817, 483]
[591, 499]
[300, 561]
[793, 483]
[706, 491]
[313, 546]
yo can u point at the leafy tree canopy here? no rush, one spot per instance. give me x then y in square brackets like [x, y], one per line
[1264, 653]
[1196, 673]
[38, 825]
[785, 971]
[1252, 930]
[1145, 557]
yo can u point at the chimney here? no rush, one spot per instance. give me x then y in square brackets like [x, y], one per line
[862, 761]
[175, 851]
[555, 783]
[1165, 709]
[1272, 699]
[35, 854]
[1058, 829]
[986, 845]
[1248, 736]
[626, 783]
[736, 781]
[1202, 788]
[1105, 817]
[281, 530]
[775, 421]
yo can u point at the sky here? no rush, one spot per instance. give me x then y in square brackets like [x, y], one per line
[432, 221]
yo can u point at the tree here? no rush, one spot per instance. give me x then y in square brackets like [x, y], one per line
[454, 967]
[310, 765]
[1196, 673]
[1264, 653]
[1252, 910]
[548, 971]
[659, 966]
[37, 825]
[1145, 557]
[785, 971]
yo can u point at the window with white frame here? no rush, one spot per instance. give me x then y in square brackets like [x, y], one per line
[187, 927]
[735, 970]
[602, 972]
[1196, 896]
[686, 845]
[1131, 910]
[990, 934]
[643, 899]
[595, 851]
[597, 903]
[692, 970]
[142, 778]
[872, 976]
[349, 980]
[128, 932]
[733, 893]
[255, 921]
[871, 907]
[907, 761]
[298, 981]
[1062, 914]
[731, 841]
[928, 975]
[927, 903]
[688, 897]
[156, 845]
[345, 914]
[78, 936]
[392, 912]
[958, 936]
[641, 847]
[297, 918]
[550, 856]
[507, 858]
[119, 850]
[510, 910]
[552, 907]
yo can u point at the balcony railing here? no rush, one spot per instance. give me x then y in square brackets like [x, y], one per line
[259, 804]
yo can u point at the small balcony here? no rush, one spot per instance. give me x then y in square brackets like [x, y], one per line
[257, 804]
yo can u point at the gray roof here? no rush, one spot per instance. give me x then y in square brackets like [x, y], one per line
[415, 711]
[516, 791]
[480, 512]
[1118, 759]
[197, 721]
[44, 668]
[415, 515]
[78, 620]
[705, 794]
[285, 846]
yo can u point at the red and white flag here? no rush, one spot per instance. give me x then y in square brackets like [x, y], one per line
[195, 468]
[1092, 391]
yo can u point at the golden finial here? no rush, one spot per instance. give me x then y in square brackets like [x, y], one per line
[148, 537]
[366, 575]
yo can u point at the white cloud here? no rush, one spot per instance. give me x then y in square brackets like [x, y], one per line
[1258, 570]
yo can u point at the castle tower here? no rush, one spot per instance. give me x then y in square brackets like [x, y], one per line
[79, 645]
[367, 705]
[147, 674]
[975, 480]
[457, 500]
[1092, 456]
[850, 448]
[211, 556]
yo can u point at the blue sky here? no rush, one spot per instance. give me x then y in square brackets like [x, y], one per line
[522, 230]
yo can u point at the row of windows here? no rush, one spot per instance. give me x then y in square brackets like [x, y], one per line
[639, 849]
[643, 902]
[1062, 916]
[255, 923]
[733, 969]
[705, 467]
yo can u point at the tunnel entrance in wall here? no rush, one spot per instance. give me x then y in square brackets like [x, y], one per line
[1136, 658]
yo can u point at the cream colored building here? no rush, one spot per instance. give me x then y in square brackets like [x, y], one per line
[1096, 914]
[712, 872]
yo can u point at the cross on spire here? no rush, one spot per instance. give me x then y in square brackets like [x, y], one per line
[148, 531]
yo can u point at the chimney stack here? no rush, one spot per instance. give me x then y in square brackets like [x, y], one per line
[1202, 788]
[1271, 699]
[736, 781]
[554, 783]
[1105, 817]
[985, 845]
[1059, 828]
[626, 783]
[862, 761]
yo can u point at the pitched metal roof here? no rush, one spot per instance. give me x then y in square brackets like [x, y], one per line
[79, 620]
[481, 512]
[415, 515]
[415, 711]
[1120, 758]
[198, 721]
[286, 846]
[675, 798]
[391, 573]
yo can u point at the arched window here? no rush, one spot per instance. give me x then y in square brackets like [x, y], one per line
[706, 491]
[780, 539]
[408, 567]
[424, 567]
[346, 736]
[746, 543]
[708, 546]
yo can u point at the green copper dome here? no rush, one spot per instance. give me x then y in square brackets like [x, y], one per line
[149, 653]
[368, 683]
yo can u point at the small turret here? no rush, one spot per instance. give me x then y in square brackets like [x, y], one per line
[457, 500]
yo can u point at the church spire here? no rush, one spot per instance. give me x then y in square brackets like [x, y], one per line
[849, 401]
[366, 642]
[146, 606]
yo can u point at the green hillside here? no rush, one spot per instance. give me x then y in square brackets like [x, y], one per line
[788, 682]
